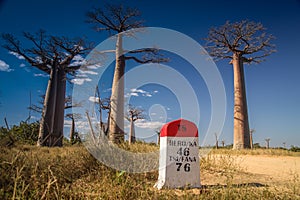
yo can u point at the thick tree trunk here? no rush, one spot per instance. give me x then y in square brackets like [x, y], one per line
[72, 131]
[241, 124]
[131, 138]
[58, 125]
[46, 122]
[116, 121]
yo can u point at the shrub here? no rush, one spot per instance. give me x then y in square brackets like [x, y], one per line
[295, 149]
[24, 133]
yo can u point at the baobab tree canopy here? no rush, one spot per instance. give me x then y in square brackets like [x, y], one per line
[246, 38]
[115, 18]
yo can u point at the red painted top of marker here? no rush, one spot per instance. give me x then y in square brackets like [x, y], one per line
[179, 128]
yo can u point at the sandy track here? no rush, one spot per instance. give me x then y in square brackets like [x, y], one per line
[258, 169]
[276, 168]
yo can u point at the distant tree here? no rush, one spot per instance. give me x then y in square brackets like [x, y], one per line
[54, 56]
[241, 42]
[133, 114]
[267, 143]
[157, 131]
[73, 118]
[251, 138]
[223, 143]
[117, 19]
[284, 145]
[217, 142]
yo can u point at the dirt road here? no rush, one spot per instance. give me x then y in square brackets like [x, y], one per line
[272, 168]
[258, 169]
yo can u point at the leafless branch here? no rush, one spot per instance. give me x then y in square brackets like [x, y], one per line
[47, 51]
[245, 37]
[114, 18]
[151, 55]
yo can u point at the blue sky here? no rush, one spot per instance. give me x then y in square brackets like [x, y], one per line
[272, 87]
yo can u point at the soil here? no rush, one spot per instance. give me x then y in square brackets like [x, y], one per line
[258, 170]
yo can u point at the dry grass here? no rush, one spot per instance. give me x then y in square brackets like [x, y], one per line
[29, 172]
[269, 152]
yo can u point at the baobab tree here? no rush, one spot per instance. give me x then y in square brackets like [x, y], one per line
[54, 56]
[223, 143]
[133, 114]
[267, 143]
[242, 42]
[251, 138]
[284, 145]
[73, 117]
[117, 19]
[217, 141]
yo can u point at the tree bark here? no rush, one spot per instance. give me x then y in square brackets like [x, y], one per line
[116, 121]
[241, 124]
[46, 122]
[58, 125]
[131, 138]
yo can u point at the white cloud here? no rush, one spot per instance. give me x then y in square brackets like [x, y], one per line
[134, 94]
[4, 67]
[41, 75]
[78, 57]
[67, 123]
[80, 81]
[17, 55]
[148, 125]
[94, 99]
[95, 66]
[22, 65]
[87, 72]
[138, 92]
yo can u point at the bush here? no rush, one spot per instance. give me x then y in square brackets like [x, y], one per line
[295, 149]
[24, 133]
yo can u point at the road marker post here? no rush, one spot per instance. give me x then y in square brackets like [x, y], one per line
[179, 162]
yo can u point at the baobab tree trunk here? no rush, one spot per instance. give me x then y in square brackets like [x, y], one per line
[58, 125]
[241, 124]
[46, 123]
[116, 121]
[131, 138]
[72, 130]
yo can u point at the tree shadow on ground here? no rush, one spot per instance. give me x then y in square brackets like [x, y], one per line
[219, 186]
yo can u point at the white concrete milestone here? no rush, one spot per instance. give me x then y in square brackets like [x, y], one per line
[179, 164]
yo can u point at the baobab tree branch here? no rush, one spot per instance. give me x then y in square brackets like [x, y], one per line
[13, 45]
[144, 61]
[116, 18]
[242, 37]
[151, 56]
